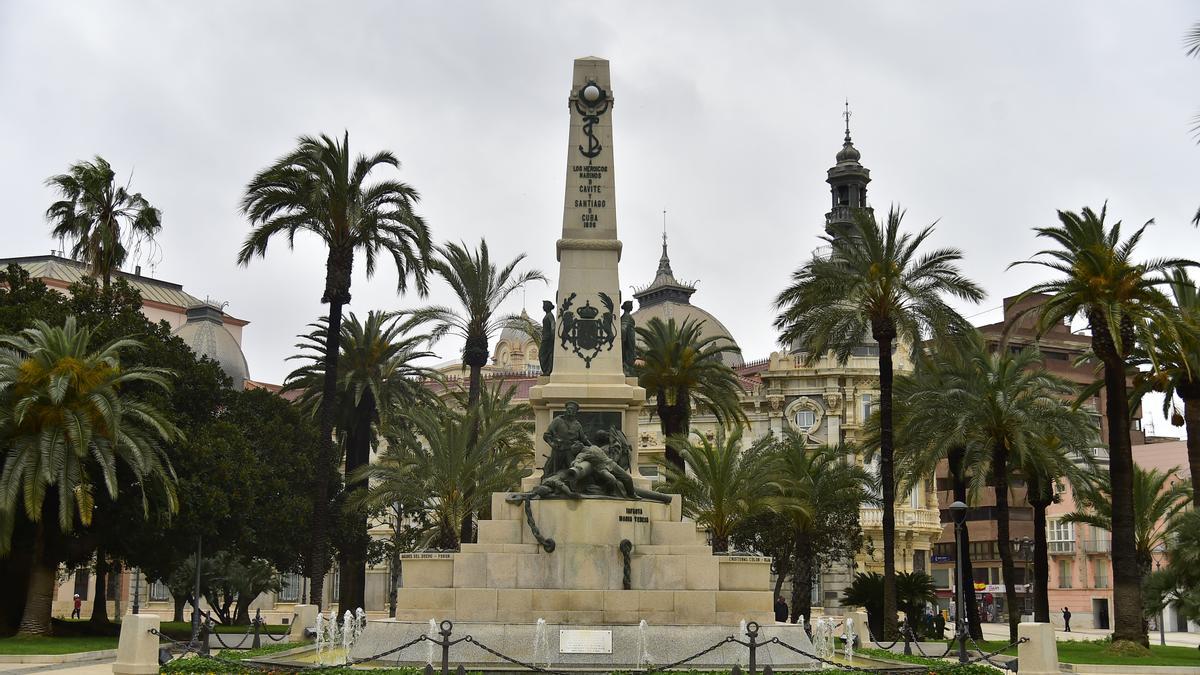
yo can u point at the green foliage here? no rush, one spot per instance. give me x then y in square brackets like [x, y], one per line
[481, 286]
[1179, 582]
[55, 645]
[683, 370]
[450, 459]
[724, 485]
[1153, 507]
[936, 666]
[68, 424]
[101, 218]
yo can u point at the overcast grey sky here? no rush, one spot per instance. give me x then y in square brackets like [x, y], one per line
[727, 115]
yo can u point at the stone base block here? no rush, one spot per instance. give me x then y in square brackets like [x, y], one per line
[137, 649]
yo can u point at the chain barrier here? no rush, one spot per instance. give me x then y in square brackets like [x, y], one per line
[626, 549]
[846, 666]
[915, 641]
[986, 656]
[248, 634]
[547, 544]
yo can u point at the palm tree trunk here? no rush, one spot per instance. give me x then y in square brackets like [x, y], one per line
[100, 597]
[674, 424]
[970, 602]
[888, 480]
[39, 597]
[1041, 557]
[396, 569]
[1127, 578]
[1004, 539]
[180, 602]
[1191, 421]
[326, 457]
[801, 580]
[352, 560]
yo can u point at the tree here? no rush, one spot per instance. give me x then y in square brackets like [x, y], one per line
[1117, 295]
[866, 591]
[450, 460]
[66, 425]
[1156, 501]
[723, 485]
[318, 188]
[378, 378]
[102, 219]
[1179, 582]
[682, 369]
[819, 498]
[1000, 406]
[874, 284]
[1175, 366]
[482, 287]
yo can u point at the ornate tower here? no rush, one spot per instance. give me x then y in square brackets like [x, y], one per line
[848, 185]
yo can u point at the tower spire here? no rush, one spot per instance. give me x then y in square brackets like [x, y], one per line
[847, 115]
[664, 262]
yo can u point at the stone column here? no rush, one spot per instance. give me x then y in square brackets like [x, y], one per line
[137, 649]
[587, 346]
[1038, 656]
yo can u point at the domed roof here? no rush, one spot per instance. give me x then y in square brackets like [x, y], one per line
[514, 335]
[206, 334]
[667, 298]
[682, 311]
[848, 153]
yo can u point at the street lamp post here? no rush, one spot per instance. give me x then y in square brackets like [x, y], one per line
[958, 511]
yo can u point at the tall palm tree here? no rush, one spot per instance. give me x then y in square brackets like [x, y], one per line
[682, 369]
[1175, 367]
[482, 287]
[1156, 501]
[1000, 408]
[1102, 281]
[378, 377]
[723, 485]
[812, 482]
[451, 459]
[1050, 460]
[102, 219]
[874, 284]
[67, 423]
[922, 443]
[321, 189]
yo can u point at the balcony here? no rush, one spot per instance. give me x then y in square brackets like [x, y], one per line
[907, 518]
[1061, 547]
[1097, 546]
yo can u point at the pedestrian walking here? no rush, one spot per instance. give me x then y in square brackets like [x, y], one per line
[1066, 620]
[78, 607]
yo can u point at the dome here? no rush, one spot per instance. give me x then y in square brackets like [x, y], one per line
[848, 153]
[680, 312]
[205, 333]
[514, 348]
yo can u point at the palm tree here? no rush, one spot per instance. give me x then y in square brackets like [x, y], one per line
[1000, 408]
[812, 482]
[102, 219]
[378, 377]
[319, 188]
[874, 284]
[67, 423]
[451, 460]
[1156, 501]
[683, 369]
[723, 485]
[1116, 294]
[1175, 367]
[1049, 460]
[482, 288]
[921, 442]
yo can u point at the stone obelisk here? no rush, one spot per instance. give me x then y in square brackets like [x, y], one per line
[587, 347]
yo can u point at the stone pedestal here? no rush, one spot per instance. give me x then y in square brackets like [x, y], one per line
[508, 576]
[304, 617]
[1038, 656]
[137, 649]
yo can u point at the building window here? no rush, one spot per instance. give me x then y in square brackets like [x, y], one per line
[941, 577]
[1100, 573]
[914, 497]
[337, 585]
[1064, 573]
[919, 561]
[291, 586]
[805, 419]
[1060, 536]
[866, 406]
[159, 592]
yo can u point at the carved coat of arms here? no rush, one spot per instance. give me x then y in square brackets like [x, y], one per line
[586, 331]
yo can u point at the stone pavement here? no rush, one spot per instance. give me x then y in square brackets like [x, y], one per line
[999, 631]
[98, 667]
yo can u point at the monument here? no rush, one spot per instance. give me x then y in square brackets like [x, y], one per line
[586, 544]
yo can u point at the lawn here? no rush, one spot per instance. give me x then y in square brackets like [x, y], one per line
[55, 645]
[182, 630]
[1095, 652]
